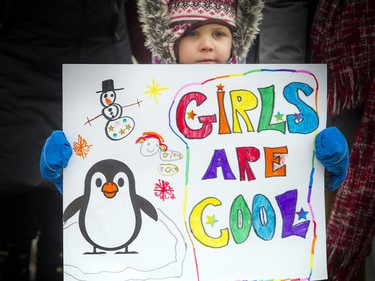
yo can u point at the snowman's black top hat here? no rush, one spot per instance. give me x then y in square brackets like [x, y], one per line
[107, 85]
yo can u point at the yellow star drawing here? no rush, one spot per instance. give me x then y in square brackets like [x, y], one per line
[154, 91]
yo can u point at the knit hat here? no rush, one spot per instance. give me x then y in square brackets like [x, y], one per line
[164, 21]
[184, 13]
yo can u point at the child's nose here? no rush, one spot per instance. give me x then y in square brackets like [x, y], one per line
[206, 45]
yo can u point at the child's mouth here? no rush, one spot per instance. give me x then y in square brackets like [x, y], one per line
[207, 61]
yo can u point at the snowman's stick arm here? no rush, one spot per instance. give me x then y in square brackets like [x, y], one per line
[92, 119]
[128, 105]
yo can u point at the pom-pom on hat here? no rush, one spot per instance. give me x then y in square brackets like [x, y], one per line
[164, 21]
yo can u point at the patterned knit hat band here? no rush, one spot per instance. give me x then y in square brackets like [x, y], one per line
[192, 11]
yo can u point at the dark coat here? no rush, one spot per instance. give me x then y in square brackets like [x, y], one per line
[36, 38]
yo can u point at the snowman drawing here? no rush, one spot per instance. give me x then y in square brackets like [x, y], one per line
[118, 126]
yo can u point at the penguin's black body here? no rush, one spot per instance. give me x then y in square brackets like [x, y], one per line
[110, 210]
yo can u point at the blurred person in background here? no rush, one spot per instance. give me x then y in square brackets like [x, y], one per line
[36, 38]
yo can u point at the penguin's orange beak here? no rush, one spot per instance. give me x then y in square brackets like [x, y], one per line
[109, 190]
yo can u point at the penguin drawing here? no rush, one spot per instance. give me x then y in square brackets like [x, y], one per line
[110, 210]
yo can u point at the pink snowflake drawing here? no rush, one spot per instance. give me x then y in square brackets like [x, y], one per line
[163, 190]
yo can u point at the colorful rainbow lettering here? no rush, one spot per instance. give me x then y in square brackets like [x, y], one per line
[290, 194]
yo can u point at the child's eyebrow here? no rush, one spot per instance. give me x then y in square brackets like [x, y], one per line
[221, 28]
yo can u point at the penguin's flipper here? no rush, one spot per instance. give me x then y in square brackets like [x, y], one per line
[73, 208]
[147, 207]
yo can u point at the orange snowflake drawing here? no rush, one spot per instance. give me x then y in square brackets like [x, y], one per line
[81, 148]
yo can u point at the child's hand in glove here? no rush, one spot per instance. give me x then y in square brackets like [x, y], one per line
[55, 156]
[333, 152]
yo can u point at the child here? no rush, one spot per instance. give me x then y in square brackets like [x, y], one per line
[167, 25]
[211, 31]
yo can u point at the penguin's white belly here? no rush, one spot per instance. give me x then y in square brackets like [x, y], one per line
[111, 223]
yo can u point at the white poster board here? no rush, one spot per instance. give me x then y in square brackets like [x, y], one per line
[191, 172]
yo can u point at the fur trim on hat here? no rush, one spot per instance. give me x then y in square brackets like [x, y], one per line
[155, 19]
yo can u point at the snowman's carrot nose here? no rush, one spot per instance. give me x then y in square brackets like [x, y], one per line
[108, 101]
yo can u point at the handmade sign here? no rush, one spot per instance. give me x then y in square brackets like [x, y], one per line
[191, 172]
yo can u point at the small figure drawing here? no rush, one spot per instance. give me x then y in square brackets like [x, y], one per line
[153, 143]
[118, 126]
[110, 210]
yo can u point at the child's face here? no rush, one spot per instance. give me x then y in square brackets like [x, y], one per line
[209, 44]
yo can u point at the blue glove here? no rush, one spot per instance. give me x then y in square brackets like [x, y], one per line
[55, 156]
[333, 152]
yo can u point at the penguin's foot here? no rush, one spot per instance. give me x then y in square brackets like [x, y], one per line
[94, 253]
[126, 252]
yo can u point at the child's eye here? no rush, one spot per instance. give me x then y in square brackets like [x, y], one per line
[218, 34]
[193, 33]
